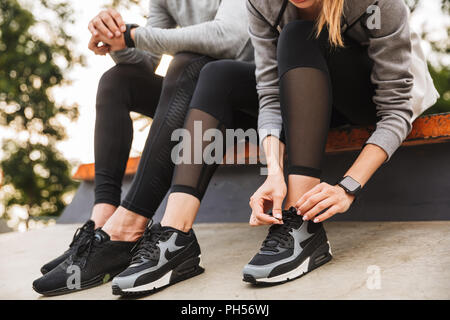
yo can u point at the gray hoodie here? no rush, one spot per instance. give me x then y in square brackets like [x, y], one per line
[404, 88]
[217, 28]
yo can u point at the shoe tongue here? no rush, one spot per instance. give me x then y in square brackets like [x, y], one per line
[155, 227]
[291, 212]
[101, 236]
[291, 217]
[89, 225]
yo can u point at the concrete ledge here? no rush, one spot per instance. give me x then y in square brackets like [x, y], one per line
[413, 258]
[413, 186]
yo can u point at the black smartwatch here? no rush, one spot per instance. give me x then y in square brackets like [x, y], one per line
[350, 185]
[127, 35]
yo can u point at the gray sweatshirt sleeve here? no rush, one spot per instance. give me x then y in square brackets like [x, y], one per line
[229, 25]
[390, 49]
[158, 18]
[264, 41]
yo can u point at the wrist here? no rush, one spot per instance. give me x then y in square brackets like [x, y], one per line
[275, 170]
[129, 35]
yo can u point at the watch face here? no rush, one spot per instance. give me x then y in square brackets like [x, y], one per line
[350, 184]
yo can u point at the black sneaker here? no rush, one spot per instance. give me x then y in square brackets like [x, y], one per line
[162, 257]
[86, 229]
[289, 251]
[95, 261]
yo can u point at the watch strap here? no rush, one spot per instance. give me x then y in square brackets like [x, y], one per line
[129, 42]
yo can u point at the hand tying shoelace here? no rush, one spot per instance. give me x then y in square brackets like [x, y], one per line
[279, 233]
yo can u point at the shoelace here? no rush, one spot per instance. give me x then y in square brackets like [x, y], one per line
[147, 245]
[84, 248]
[279, 233]
[80, 232]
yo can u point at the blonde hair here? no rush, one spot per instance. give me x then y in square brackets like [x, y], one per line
[330, 16]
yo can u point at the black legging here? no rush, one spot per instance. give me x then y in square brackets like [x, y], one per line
[225, 98]
[311, 73]
[126, 88]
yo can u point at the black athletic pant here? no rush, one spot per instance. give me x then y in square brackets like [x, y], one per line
[317, 83]
[125, 88]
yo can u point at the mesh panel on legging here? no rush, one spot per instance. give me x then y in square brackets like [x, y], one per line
[305, 98]
[194, 172]
[154, 174]
[225, 98]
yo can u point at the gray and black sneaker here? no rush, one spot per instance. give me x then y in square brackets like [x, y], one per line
[289, 251]
[162, 257]
[82, 232]
[96, 260]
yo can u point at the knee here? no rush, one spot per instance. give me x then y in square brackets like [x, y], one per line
[296, 31]
[298, 46]
[114, 84]
[217, 76]
[185, 68]
[212, 93]
[115, 79]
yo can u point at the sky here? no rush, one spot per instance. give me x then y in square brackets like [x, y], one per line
[79, 147]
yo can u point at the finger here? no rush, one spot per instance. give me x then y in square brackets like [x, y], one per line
[257, 206]
[92, 29]
[318, 208]
[327, 214]
[267, 219]
[311, 201]
[254, 222]
[92, 44]
[318, 188]
[101, 28]
[118, 19]
[277, 205]
[110, 24]
[102, 38]
[257, 203]
[102, 50]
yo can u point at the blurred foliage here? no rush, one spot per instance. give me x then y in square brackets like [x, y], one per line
[441, 79]
[123, 3]
[34, 54]
[440, 72]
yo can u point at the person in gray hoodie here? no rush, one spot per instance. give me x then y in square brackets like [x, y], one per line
[195, 32]
[322, 62]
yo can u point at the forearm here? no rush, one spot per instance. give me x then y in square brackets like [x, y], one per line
[368, 161]
[200, 38]
[132, 56]
[274, 152]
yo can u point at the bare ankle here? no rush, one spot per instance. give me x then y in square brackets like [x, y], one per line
[101, 213]
[125, 225]
[179, 225]
[180, 211]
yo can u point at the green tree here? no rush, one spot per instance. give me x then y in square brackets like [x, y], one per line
[34, 54]
[439, 70]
